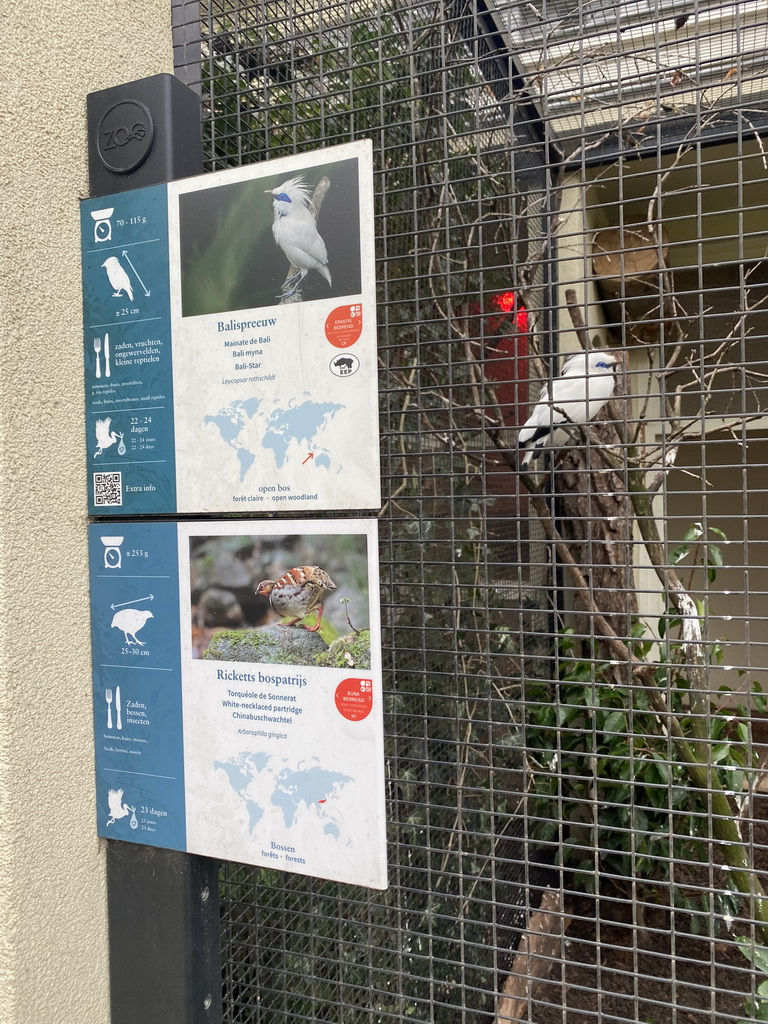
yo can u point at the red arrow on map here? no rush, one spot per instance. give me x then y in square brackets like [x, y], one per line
[310, 456]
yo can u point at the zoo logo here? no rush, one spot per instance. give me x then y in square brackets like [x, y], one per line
[117, 137]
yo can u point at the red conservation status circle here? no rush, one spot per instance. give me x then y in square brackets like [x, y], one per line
[344, 325]
[354, 698]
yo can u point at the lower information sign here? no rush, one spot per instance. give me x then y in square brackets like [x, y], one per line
[237, 692]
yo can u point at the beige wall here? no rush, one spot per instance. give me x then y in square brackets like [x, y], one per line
[53, 966]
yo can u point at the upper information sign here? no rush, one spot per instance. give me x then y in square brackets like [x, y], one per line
[230, 340]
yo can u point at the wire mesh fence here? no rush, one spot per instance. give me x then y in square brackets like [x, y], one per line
[575, 631]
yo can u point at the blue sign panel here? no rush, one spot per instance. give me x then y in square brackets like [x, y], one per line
[137, 683]
[128, 368]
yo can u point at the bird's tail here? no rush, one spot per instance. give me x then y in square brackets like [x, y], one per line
[326, 273]
[527, 455]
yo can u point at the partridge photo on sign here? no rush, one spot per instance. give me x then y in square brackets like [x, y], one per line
[281, 599]
[287, 237]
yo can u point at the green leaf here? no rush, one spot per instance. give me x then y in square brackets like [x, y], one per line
[662, 767]
[616, 722]
[715, 555]
[719, 752]
[694, 532]
[678, 554]
[757, 696]
[755, 953]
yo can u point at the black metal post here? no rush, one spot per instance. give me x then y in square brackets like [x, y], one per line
[164, 949]
[163, 906]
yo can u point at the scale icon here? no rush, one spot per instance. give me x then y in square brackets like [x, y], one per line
[102, 229]
[113, 556]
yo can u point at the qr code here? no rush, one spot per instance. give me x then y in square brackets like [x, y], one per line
[107, 488]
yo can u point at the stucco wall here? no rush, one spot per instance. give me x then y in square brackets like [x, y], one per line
[53, 966]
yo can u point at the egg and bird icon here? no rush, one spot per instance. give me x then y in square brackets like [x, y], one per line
[118, 808]
[106, 437]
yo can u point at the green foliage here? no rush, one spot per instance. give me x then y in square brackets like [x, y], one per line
[706, 553]
[351, 651]
[605, 775]
[599, 770]
[757, 955]
[603, 771]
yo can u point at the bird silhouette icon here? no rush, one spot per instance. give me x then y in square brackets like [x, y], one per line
[586, 384]
[118, 277]
[294, 229]
[130, 621]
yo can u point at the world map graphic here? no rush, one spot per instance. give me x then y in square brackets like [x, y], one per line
[287, 433]
[293, 790]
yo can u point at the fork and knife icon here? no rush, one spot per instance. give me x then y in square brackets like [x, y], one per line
[97, 350]
[118, 707]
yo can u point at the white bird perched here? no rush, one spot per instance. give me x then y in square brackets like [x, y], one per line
[118, 277]
[586, 384]
[295, 231]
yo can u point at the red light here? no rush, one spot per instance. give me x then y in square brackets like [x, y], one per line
[506, 301]
[506, 354]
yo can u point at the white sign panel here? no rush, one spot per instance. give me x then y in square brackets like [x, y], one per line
[225, 724]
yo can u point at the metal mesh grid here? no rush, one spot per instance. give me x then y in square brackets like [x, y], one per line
[570, 746]
[596, 67]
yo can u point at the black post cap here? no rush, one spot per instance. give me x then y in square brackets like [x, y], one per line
[143, 133]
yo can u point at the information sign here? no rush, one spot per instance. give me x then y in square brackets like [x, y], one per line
[224, 723]
[230, 340]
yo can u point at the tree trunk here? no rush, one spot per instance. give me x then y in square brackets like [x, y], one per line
[596, 517]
